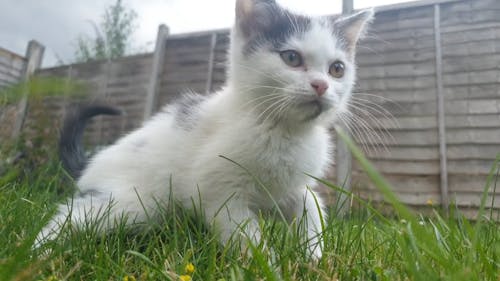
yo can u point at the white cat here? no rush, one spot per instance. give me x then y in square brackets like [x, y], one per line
[288, 78]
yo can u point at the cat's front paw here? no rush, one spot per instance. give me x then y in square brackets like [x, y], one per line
[49, 233]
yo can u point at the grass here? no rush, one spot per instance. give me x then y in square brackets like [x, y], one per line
[37, 88]
[364, 246]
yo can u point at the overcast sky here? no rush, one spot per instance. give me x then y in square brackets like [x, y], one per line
[56, 23]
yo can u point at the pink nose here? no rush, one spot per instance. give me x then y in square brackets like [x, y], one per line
[320, 86]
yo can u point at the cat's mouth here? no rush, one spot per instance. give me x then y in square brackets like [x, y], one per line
[313, 108]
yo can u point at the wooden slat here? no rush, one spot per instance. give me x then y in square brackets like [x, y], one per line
[460, 183]
[11, 68]
[411, 198]
[409, 167]
[372, 58]
[470, 167]
[410, 82]
[401, 183]
[404, 153]
[396, 70]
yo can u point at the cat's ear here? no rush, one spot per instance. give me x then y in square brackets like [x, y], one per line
[352, 28]
[253, 16]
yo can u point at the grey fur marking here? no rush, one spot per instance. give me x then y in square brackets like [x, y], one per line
[284, 25]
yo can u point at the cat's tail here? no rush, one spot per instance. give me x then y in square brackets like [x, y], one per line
[71, 151]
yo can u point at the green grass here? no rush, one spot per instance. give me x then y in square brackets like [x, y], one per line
[364, 246]
[38, 88]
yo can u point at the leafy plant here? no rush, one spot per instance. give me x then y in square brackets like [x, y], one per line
[112, 36]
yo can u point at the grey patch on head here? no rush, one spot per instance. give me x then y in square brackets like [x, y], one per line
[341, 41]
[330, 23]
[284, 25]
[187, 110]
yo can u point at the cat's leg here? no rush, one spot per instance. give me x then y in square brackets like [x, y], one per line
[101, 210]
[307, 211]
[77, 212]
[233, 220]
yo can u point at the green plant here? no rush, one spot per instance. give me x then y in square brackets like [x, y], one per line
[112, 36]
[365, 246]
[38, 88]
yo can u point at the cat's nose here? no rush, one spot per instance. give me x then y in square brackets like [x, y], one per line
[320, 86]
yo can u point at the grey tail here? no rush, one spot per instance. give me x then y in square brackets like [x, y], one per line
[71, 151]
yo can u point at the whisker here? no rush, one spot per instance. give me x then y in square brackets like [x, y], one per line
[272, 99]
[373, 105]
[250, 101]
[270, 107]
[275, 110]
[371, 134]
[353, 130]
[377, 135]
[378, 108]
[284, 108]
[376, 96]
[370, 116]
[365, 135]
[375, 37]
[376, 120]
[373, 108]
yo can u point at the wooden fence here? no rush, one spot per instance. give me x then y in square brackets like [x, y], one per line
[440, 64]
[11, 67]
[433, 65]
[15, 69]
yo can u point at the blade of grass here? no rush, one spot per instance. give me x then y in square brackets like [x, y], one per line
[383, 186]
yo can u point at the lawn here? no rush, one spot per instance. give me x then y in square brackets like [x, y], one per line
[365, 245]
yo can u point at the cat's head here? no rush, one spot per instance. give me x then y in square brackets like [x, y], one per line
[290, 67]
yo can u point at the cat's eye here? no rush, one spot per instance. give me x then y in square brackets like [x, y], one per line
[291, 58]
[337, 69]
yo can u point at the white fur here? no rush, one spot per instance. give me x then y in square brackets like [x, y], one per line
[275, 145]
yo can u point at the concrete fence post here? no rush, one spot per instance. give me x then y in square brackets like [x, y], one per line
[34, 56]
[441, 111]
[211, 58]
[156, 71]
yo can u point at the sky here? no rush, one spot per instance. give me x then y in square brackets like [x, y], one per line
[57, 23]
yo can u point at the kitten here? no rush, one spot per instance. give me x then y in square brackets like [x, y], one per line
[288, 78]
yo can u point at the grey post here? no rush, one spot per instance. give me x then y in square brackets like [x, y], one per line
[441, 111]
[34, 55]
[211, 58]
[347, 6]
[156, 71]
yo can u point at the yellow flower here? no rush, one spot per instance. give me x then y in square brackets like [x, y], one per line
[430, 202]
[128, 278]
[189, 268]
[185, 278]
